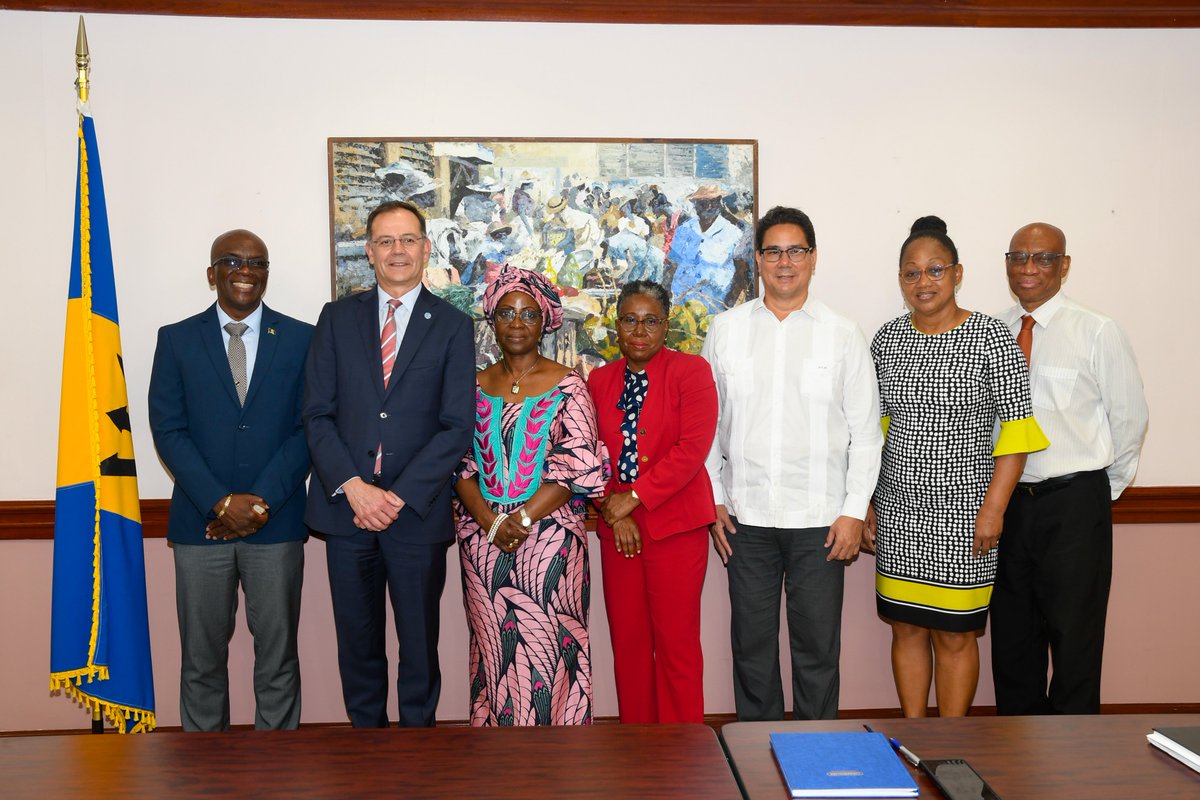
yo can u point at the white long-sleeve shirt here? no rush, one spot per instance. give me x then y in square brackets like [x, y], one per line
[1087, 393]
[798, 435]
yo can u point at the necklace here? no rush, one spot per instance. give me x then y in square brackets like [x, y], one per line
[516, 381]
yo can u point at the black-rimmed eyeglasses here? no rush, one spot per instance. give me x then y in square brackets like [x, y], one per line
[794, 253]
[1017, 258]
[235, 263]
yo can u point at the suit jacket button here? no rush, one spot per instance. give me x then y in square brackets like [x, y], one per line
[645, 459]
[371, 453]
[383, 415]
[641, 432]
[241, 427]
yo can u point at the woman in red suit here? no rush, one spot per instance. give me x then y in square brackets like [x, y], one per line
[657, 408]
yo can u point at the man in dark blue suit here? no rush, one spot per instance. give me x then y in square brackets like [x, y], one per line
[225, 398]
[389, 410]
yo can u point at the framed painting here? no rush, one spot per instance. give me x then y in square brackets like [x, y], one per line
[591, 215]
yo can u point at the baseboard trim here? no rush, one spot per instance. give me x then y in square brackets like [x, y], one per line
[1140, 505]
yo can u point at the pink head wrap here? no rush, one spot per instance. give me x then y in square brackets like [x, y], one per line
[534, 284]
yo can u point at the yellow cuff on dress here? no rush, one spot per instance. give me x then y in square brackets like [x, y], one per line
[885, 422]
[1020, 436]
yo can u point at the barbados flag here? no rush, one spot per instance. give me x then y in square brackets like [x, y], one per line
[99, 630]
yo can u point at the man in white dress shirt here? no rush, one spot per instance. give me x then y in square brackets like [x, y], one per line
[1055, 558]
[793, 468]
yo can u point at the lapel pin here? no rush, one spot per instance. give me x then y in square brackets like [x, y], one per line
[428, 315]
[270, 331]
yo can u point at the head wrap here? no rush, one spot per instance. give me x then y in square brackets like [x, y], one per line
[534, 284]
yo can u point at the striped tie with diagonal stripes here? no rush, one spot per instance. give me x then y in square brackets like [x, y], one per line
[387, 341]
[387, 352]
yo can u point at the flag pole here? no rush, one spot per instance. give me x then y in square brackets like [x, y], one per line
[83, 68]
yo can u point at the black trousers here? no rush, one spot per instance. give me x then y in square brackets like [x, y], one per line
[764, 561]
[1050, 599]
[361, 567]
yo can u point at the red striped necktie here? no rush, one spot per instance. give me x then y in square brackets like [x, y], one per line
[387, 341]
[387, 351]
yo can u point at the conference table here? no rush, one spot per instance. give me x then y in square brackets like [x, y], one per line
[602, 761]
[1040, 758]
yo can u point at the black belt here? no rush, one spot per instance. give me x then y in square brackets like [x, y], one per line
[1051, 484]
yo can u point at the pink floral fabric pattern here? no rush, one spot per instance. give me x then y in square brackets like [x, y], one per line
[527, 612]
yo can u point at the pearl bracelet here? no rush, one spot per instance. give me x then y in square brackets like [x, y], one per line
[496, 526]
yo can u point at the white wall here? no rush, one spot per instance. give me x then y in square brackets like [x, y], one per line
[207, 124]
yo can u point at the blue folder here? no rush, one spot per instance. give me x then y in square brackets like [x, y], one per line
[850, 764]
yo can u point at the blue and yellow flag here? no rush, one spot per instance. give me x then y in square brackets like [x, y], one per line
[99, 628]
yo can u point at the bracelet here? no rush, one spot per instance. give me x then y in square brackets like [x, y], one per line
[228, 499]
[496, 526]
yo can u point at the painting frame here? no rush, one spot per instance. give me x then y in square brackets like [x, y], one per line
[590, 214]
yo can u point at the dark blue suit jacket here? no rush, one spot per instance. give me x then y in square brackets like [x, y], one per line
[424, 419]
[212, 445]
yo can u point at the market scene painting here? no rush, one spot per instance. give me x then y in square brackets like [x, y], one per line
[589, 215]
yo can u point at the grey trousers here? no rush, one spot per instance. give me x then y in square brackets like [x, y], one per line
[206, 598]
[765, 560]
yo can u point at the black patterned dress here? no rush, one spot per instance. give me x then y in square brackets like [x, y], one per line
[941, 397]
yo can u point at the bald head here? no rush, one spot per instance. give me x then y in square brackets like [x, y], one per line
[221, 245]
[1042, 230]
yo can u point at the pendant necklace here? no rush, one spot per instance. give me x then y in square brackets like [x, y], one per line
[516, 382]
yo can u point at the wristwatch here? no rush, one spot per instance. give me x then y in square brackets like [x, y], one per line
[525, 520]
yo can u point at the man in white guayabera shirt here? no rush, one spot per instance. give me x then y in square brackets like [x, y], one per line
[793, 468]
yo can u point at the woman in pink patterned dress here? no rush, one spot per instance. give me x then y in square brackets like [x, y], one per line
[534, 458]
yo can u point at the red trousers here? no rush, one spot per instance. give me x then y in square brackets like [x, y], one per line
[653, 604]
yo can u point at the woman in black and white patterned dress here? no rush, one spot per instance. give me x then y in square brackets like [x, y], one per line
[946, 375]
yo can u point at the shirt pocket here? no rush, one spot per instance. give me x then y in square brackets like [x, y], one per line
[1052, 386]
[737, 378]
[816, 378]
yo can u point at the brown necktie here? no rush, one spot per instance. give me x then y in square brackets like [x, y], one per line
[1025, 337]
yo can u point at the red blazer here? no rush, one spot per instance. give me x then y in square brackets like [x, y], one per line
[675, 433]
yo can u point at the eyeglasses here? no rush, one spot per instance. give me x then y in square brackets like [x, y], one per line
[1017, 258]
[935, 272]
[629, 323]
[408, 241]
[528, 315]
[234, 263]
[773, 254]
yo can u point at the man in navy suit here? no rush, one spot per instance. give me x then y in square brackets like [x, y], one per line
[225, 398]
[389, 410]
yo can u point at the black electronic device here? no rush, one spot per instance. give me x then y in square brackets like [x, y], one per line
[958, 780]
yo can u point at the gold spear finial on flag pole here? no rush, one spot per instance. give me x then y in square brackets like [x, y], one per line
[83, 62]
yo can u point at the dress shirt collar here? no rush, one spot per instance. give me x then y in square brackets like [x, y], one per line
[253, 320]
[1048, 310]
[812, 308]
[407, 300]
[1041, 315]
